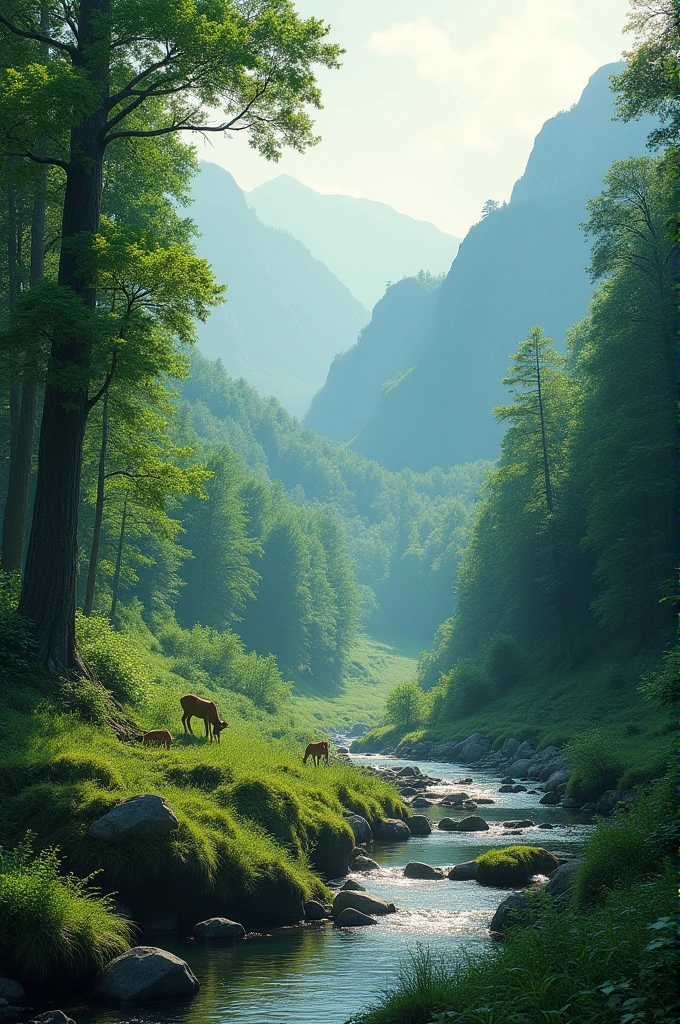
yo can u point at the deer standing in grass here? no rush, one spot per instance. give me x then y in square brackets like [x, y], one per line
[197, 707]
[317, 752]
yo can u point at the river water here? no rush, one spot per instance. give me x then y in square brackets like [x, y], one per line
[315, 972]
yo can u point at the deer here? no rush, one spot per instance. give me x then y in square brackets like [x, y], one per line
[157, 737]
[198, 707]
[317, 751]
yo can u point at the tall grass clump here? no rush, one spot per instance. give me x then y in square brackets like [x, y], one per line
[113, 657]
[596, 765]
[54, 929]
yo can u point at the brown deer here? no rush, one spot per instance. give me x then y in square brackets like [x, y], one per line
[317, 752]
[158, 737]
[197, 707]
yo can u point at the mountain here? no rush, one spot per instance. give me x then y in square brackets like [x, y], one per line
[524, 264]
[365, 244]
[387, 348]
[286, 314]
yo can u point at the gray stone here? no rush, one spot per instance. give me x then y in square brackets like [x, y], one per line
[513, 911]
[408, 791]
[569, 803]
[465, 872]
[342, 750]
[550, 799]
[562, 880]
[12, 991]
[519, 823]
[419, 825]
[360, 828]
[363, 863]
[392, 830]
[221, 928]
[545, 825]
[484, 800]
[508, 781]
[52, 1017]
[519, 789]
[507, 788]
[609, 800]
[548, 769]
[362, 901]
[455, 799]
[510, 748]
[351, 918]
[146, 973]
[526, 749]
[406, 770]
[556, 780]
[448, 825]
[140, 817]
[352, 886]
[474, 748]
[417, 869]
[519, 768]
[473, 823]
[421, 801]
[165, 922]
[314, 911]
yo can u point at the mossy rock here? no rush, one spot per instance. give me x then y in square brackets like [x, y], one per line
[513, 866]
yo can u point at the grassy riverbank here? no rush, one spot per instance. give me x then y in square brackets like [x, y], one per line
[607, 958]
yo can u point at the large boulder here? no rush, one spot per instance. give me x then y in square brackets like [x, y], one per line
[448, 825]
[141, 817]
[455, 799]
[351, 918]
[519, 768]
[360, 828]
[419, 825]
[569, 803]
[519, 823]
[146, 973]
[473, 823]
[314, 911]
[513, 866]
[406, 770]
[550, 767]
[557, 780]
[510, 747]
[417, 869]
[550, 799]
[609, 800]
[363, 863]
[392, 830]
[562, 880]
[465, 872]
[362, 901]
[12, 991]
[513, 911]
[526, 749]
[220, 928]
[474, 748]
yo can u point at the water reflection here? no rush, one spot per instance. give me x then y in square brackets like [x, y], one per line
[317, 973]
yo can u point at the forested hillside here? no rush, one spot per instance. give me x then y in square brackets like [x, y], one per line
[524, 263]
[366, 244]
[286, 315]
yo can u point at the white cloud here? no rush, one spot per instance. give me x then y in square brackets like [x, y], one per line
[526, 71]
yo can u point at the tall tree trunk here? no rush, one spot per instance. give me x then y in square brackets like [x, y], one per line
[98, 511]
[21, 455]
[115, 586]
[48, 596]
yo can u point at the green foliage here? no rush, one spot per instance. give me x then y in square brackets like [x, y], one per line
[513, 865]
[113, 657]
[56, 931]
[634, 845]
[405, 705]
[464, 690]
[16, 638]
[503, 662]
[595, 764]
[663, 687]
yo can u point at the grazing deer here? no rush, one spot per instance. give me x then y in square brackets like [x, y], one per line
[158, 737]
[317, 752]
[197, 707]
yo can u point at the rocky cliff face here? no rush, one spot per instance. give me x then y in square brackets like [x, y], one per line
[522, 265]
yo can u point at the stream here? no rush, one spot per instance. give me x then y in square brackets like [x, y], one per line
[314, 972]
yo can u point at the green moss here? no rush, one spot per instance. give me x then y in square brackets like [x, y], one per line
[514, 865]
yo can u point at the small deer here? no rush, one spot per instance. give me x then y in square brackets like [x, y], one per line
[157, 737]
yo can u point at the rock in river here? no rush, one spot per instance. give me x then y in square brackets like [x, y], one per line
[352, 886]
[520, 823]
[222, 928]
[140, 817]
[421, 801]
[362, 901]
[363, 863]
[448, 825]
[351, 918]
[550, 799]
[146, 973]
[465, 872]
[562, 880]
[417, 869]
[514, 910]
[392, 830]
[360, 828]
[473, 823]
[315, 911]
[419, 825]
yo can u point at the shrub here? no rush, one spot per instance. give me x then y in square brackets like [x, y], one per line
[663, 687]
[54, 929]
[513, 865]
[81, 697]
[113, 658]
[596, 766]
[466, 690]
[16, 638]
[503, 662]
[405, 705]
[632, 846]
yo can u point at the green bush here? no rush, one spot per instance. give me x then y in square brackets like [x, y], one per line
[632, 846]
[595, 765]
[514, 865]
[663, 687]
[16, 638]
[54, 930]
[466, 690]
[405, 706]
[503, 662]
[82, 697]
[113, 658]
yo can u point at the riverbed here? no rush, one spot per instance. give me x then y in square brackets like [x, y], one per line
[315, 972]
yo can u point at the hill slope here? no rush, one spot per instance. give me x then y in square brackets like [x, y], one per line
[286, 314]
[524, 264]
[365, 244]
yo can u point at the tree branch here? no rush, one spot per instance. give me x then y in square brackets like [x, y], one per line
[107, 382]
[39, 37]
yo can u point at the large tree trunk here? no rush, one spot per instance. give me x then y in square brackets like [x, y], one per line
[21, 455]
[98, 511]
[48, 596]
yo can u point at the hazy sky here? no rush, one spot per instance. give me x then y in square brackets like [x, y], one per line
[437, 102]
